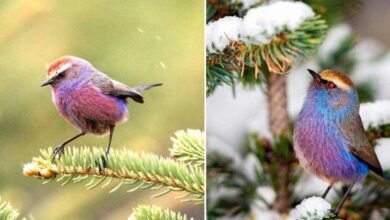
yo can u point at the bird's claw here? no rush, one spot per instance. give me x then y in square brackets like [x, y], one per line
[334, 212]
[57, 151]
[102, 165]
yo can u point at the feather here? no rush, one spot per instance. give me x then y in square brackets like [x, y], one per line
[359, 144]
[146, 87]
[115, 88]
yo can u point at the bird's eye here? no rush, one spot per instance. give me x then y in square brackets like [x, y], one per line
[330, 85]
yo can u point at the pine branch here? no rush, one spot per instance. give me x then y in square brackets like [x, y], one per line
[220, 8]
[377, 132]
[154, 212]
[312, 208]
[146, 171]
[188, 146]
[7, 212]
[247, 58]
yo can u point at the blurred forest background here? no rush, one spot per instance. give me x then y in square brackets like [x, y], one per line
[134, 42]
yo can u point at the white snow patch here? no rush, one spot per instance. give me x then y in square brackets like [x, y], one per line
[375, 113]
[221, 32]
[382, 151]
[258, 26]
[228, 117]
[311, 208]
[262, 23]
[267, 193]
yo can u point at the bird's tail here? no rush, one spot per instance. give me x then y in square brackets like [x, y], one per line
[146, 87]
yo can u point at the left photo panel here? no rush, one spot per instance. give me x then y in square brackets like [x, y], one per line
[102, 110]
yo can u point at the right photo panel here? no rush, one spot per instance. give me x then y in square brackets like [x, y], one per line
[298, 109]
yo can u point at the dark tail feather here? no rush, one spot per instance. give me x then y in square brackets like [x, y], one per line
[146, 87]
[136, 96]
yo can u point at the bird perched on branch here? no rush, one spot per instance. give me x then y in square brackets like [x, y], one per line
[88, 99]
[329, 137]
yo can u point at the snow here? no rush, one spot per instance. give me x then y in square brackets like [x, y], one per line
[311, 208]
[262, 23]
[258, 26]
[220, 33]
[267, 193]
[382, 151]
[30, 169]
[335, 37]
[375, 113]
[228, 117]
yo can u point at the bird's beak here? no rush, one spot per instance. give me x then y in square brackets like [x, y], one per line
[47, 82]
[315, 75]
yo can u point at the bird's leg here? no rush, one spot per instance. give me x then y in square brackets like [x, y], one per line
[326, 191]
[337, 210]
[109, 140]
[60, 148]
[107, 150]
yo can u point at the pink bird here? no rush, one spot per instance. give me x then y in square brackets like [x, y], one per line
[88, 99]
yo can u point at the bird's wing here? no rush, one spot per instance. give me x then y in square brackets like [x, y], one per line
[115, 88]
[360, 145]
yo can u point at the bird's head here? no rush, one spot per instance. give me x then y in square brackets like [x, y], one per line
[334, 88]
[65, 69]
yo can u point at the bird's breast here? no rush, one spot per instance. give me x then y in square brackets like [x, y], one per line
[87, 108]
[322, 148]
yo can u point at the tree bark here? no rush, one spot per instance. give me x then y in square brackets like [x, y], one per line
[279, 124]
[277, 104]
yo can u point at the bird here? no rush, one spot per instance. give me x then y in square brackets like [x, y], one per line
[329, 138]
[88, 99]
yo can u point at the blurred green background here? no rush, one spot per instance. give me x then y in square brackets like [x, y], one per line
[134, 42]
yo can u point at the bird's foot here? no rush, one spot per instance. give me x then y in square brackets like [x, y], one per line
[57, 151]
[102, 164]
[335, 212]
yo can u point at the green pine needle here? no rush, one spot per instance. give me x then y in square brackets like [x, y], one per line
[286, 49]
[188, 146]
[7, 212]
[156, 213]
[144, 171]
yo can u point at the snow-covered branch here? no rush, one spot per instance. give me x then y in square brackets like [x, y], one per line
[259, 25]
[311, 208]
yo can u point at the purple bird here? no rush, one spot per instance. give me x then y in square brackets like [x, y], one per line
[329, 137]
[88, 99]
